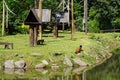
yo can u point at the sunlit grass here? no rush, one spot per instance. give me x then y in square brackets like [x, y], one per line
[93, 44]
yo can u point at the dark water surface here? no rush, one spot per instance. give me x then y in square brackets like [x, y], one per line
[109, 70]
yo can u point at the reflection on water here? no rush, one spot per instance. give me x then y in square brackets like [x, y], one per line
[109, 70]
[43, 74]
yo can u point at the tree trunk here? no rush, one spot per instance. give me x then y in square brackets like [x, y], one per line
[3, 20]
[40, 17]
[72, 15]
[31, 35]
[85, 16]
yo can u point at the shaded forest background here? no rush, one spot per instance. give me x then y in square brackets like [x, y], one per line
[102, 14]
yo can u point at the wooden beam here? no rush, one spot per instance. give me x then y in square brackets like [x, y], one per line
[55, 31]
[31, 32]
[35, 35]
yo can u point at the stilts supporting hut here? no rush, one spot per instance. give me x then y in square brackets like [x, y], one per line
[33, 21]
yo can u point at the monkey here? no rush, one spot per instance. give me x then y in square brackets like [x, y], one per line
[78, 50]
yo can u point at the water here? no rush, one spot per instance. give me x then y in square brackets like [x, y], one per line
[109, 70]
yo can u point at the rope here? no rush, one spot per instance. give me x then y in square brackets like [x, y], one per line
[8, 8]
[62, 2]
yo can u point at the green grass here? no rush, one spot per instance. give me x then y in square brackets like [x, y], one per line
[93, 44]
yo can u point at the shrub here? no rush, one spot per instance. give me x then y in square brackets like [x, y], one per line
[93, 26]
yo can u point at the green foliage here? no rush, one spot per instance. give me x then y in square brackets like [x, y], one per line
[93, 26]
[116, 23]
[104, 12]
[25, 28]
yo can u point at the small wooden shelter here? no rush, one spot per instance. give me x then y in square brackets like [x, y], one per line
[33, 21]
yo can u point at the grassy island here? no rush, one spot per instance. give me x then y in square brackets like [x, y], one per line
[95, 45]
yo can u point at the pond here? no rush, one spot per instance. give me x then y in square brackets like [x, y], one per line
[109, 70]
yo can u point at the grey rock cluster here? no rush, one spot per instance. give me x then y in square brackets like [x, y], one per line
[10, 64]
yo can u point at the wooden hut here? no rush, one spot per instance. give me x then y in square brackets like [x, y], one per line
[33, 21]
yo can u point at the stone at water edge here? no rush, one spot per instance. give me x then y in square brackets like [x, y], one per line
[20, 64]
[39, 66]
[45, 62]
[9, 64]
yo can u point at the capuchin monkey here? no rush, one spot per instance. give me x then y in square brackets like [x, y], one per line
[78, 50]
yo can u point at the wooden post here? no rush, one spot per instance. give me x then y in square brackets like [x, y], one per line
[69, 11]
[35, 4]
[40, 17]
[6, 18]
[55, 31]
[31, 35]
[35, 35]
[85, 16]
[72, 15]
[63, 26]
[3, 20]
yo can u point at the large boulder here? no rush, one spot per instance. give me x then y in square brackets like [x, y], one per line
[9, 64]
[20, 64]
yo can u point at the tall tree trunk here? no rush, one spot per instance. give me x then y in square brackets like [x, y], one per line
[3, 20]
[72, 15]
[85, 16]
[40, 17]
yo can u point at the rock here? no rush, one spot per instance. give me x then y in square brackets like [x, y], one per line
[15, 55]
[68, 62]
[79, 62]
[0, 67]
[39, 66]
[18, 55]
[36, 55]
[45, 62]
[9, 64]
[20, 64]
[57, 54]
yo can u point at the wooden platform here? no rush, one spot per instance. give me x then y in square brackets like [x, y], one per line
[7, 45]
